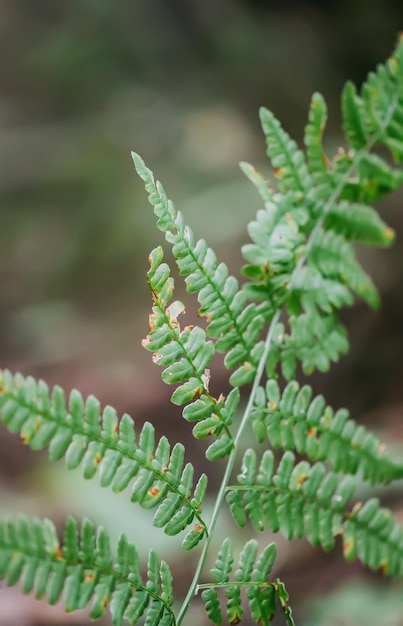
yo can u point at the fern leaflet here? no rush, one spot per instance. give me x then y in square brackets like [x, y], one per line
[83, 569]
[293, 420]
[99, 442]
[251, 574]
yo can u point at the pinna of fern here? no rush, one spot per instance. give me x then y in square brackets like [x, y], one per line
[304, 500]
[99, 443]
[252, 574]
[233, 325]
[83, 569]
[292, 420]
[186, 355]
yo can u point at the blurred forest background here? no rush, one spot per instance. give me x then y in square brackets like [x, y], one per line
[179, 81]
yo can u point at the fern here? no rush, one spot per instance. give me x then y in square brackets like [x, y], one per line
[82, 569]
[102, 443]
[250, 574]
[301, 270]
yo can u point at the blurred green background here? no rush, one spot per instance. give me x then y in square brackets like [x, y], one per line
[179, 81]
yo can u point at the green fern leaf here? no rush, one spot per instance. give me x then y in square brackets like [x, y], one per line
[377, 178]
[315, 339]
[287, 235]
[251, 574]
[233, 326]
[186, 355]
[83, 569]
[317, 160]
[294, 420]
[303, 500]
[287, 160]
[334, 257]
[99, 442]
[212, 605]
[371, 535]
[353, 117]
[358, 222]
[310, 289]
[298, 499]
[257, 179]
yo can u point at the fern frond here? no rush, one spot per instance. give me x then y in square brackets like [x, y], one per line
[317, 160]
[321, 200]
[100, 443]
[278, 244]
[316, 339]
[371, 535]
[298, 499]
[251, 575]
[379, 94]
[186, 355]
[353, 117]
[83, 570]
[294, 420]
[377, 177]
[232, 324]
[303, 500]
[334, 258]
[358, 222]
[375, 116]
[288, 161]
[257, 179]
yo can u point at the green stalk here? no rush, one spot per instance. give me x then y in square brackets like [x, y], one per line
[228, 471]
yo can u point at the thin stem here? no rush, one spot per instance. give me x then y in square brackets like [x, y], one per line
[228, 470]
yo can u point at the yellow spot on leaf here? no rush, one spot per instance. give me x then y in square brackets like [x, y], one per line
[301, 479]
[357, 506]
[58, 553]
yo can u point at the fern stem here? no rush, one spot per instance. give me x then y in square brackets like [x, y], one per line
[228, 471]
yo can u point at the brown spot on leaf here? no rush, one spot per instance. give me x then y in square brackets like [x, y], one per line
[58, 553]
